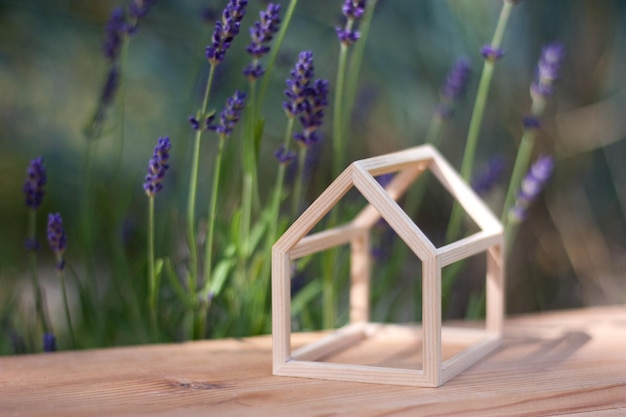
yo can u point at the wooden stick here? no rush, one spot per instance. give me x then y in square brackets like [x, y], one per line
[382, 203]
[360, 278]
[415, 239]
[325, 240]
[281, 308]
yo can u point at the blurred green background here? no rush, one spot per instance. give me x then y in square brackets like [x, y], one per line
[569, 252]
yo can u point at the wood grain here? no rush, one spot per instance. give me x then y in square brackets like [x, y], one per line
[569, 363]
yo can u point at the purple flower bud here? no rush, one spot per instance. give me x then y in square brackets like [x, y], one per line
[531, 122]
[490, 53]
[489, 176]
[298, 84]
[35, 180]
[195, 124]
[312, 115]
[352, 10]
[347, 37]
[284, 156]
[140, 8]
[254, 71]
[49, 343]
[548, 70]
[56, 238]
[454, 87]
[113, 34]
[226, 30]
[230, 115]
[263, 31]
[157, 167]
[532, 185]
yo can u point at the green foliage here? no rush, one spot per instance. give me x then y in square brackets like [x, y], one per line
[389, 87]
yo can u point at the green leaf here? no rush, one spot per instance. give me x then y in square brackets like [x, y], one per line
[220, 274]
[187, 299]
[258, 135]
[306, 295]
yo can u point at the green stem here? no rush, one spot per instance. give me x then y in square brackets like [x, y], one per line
[297, 194]
[278, 189]
[191, 201]
[152, 293]
[249, 179]
[477, 118]
[212, 213]
[338, 122]
[208, 255]
[32, 260]
[356, 60]
[274, 218]
[274, 51]
[522, 161]
[66, 304]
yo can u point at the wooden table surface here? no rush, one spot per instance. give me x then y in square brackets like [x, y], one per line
[553, 364]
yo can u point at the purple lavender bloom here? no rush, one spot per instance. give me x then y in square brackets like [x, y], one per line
[454, 86]
[35, 180]
[226, 30]
[312, 115]
[490, 53]
[284, 156]
[114, 32]
[157, 167]
[548, 70]
[140, 8]
[57, 239]
[532, 185]
[298, 84]
[489, 176]
[531, 122]
[49, 343]
[230, 115]
[262, 33]
[195, 123]
[352, 10]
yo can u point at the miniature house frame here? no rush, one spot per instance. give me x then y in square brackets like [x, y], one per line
[295, 243]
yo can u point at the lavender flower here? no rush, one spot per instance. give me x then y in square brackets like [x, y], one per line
[230, 115]
[313, 113]
[352, 10]
[532, 185]
[531, 122]
[298, 84]
[454, 86]
[226, 30]
[262, 33]
[140, 8]
[491, 53]
[284, 156]
[57, 239]
[157, 167]
[488, 177]
[548, 70]
[49, 343]
[35, 180]
[114, 32]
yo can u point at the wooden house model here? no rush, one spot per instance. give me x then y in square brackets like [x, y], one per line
[296, 242]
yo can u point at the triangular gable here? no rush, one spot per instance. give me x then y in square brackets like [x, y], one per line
[409, 164]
